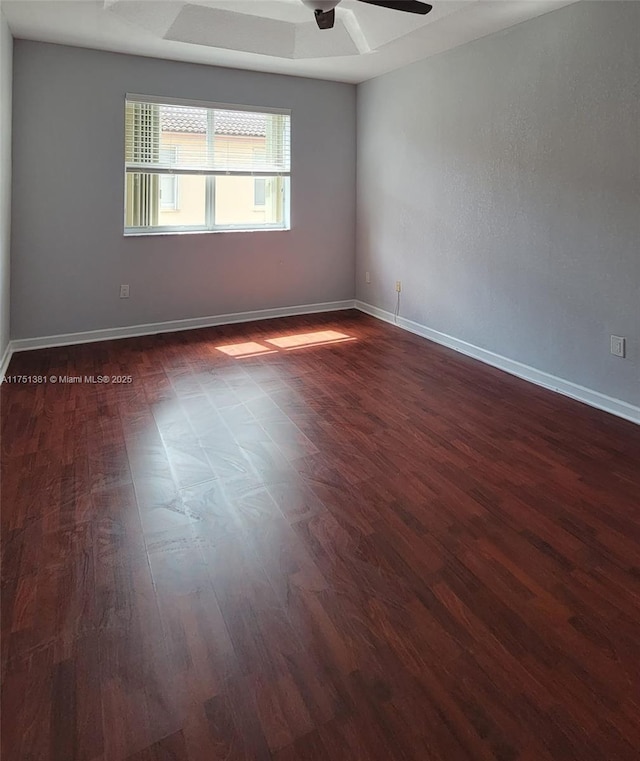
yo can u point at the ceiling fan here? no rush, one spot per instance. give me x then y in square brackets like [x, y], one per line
[325, 10]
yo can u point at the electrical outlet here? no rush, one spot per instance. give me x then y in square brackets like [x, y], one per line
[367, 277]
[124, 291]
[618, 346]
[398, 286]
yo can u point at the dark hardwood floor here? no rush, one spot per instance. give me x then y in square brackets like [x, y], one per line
[365, 548]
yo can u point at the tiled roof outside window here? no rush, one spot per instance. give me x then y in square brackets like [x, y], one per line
[182, 119]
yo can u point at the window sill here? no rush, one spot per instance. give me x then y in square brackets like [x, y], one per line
[147, 234]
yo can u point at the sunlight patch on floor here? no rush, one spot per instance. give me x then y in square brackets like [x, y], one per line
[307, 339]
[246, 349]
[285, 343]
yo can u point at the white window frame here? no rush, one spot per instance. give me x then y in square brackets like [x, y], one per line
[210, 188]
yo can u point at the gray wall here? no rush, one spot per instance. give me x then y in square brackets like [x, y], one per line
[69, 253]
[6, 55]
[501, 183]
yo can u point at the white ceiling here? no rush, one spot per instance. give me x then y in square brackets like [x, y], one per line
[269, 35]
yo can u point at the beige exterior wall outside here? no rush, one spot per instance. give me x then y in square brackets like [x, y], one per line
[234, 196]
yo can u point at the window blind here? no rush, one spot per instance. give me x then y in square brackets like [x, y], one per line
[212, 139]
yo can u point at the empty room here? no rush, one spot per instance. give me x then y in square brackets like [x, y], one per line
[320, 380]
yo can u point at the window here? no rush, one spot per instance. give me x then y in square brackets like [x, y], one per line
[193, 167]
[259, 191]
[169, 182]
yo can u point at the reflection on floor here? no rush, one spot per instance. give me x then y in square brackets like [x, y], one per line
[296, 341]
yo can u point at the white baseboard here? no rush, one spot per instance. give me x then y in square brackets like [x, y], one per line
[6, 358]
[108, 334]
[540, 378]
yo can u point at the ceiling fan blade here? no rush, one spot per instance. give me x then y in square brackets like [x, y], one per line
[325, 20]
[409, 6]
